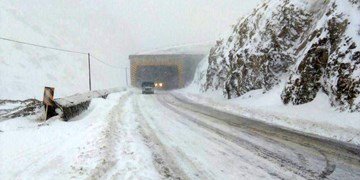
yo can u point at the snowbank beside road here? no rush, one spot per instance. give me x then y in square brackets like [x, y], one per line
[102, 142]
[317, 117]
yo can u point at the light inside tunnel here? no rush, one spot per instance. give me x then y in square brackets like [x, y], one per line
[164, 77]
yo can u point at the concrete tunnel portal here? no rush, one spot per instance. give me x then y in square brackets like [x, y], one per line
[174, 71]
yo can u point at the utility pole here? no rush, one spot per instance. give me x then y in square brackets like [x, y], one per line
[89, 71]
[126, 75]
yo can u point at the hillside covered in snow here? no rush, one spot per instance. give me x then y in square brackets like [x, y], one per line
[25, 70]
[306, 47]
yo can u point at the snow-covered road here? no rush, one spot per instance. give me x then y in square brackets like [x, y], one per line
[202, 143]
[135, 136]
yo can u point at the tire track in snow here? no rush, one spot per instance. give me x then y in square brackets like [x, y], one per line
[164, 162]
[108, 141]
[97, 157]
[286, 163]
[195, 168]
[133, 157]
[328, 151]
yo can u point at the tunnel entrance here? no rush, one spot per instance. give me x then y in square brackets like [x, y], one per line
[167, 75]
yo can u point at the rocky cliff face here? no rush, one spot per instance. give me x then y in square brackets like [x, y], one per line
[312, 45]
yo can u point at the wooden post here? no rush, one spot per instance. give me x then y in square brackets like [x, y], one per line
[48, 101]
[46, 112]
[89, 71]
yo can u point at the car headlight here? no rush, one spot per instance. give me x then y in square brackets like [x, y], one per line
[156, 84]
[160, 84]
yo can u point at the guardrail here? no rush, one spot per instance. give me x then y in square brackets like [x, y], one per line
[71, 106]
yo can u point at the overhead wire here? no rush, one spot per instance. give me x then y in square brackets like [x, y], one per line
[103, 62]
[60, 49]
[42, 46]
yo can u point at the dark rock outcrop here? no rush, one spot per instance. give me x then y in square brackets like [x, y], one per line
[309, 43]
[19, 108]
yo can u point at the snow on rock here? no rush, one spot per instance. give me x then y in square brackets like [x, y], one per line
[289, 69]
[11, 108]
[331, 64]
[312, 45]
[196, 48]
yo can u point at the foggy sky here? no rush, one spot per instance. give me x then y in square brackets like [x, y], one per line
[113, 29]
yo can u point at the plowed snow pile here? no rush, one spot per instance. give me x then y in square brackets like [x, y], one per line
[103, 142]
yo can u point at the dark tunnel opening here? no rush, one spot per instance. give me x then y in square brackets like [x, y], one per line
[168, 76]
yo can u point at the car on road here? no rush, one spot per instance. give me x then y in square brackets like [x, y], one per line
[148, 87]
[159, 85]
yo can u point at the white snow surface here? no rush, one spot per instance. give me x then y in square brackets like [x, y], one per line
[316, 117]
[25, 70]
[106, 142]
[103, 139]
[116, 138]
[7, 106]
[195, 48]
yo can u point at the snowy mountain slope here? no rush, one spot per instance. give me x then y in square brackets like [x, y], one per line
[195, 48]
[312, 45]
[25, 70]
